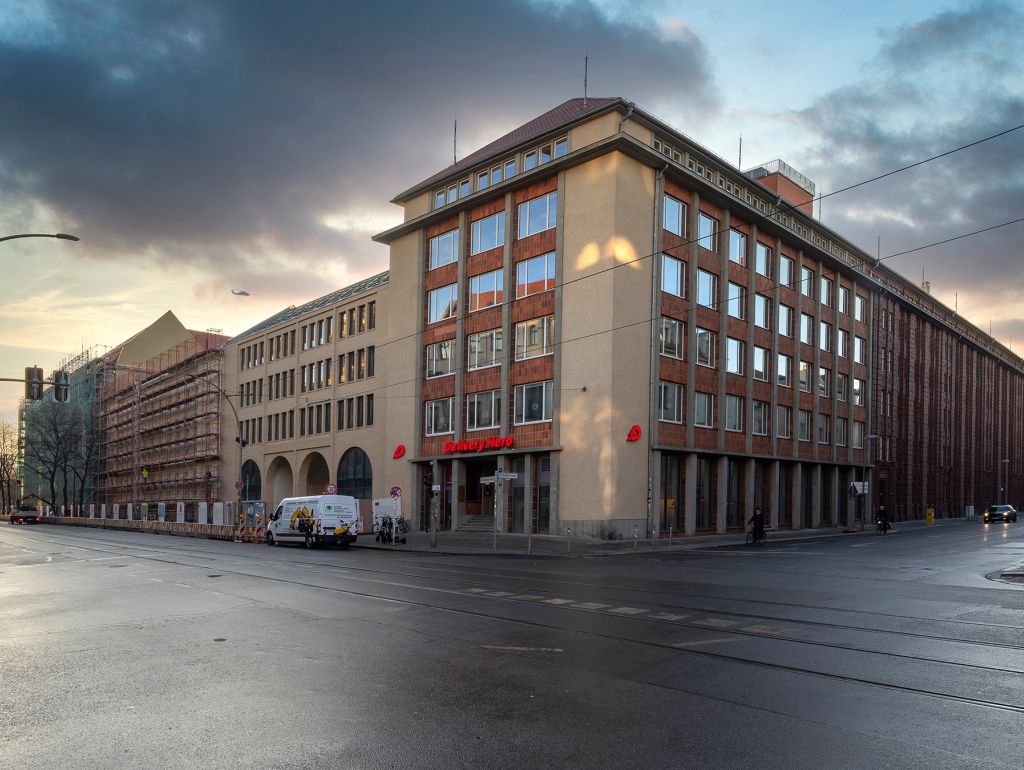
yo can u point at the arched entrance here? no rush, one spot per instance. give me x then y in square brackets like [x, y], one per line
[279, 478]
[316, 474]
[252, 488]
[355, 476]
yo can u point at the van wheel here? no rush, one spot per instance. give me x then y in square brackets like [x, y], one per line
[270, 538]
[309, 541]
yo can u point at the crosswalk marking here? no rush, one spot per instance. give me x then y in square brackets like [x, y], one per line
[591, 606]
[628, 610]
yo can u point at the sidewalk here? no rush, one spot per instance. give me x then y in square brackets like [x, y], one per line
[482, 543]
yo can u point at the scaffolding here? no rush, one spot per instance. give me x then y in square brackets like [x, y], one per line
[160, 427]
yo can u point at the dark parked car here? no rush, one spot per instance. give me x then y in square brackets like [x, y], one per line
[24, 514]
[1000, 513]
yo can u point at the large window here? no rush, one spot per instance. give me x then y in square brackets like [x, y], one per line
[671, 337]
[443, 303]
[807, 281]
[841, 426]
[705, 347]
[670, 402]
[538, 214]
[857, 437]
[707, 289]
[488, 233]
[783, 416]
[763, 259]
[444, 248]
[785, 371]
[534, 402]
[535, 275]
[535, 337]
[805, 376]
[707, 232]
[825, 291]
[761, 371]
[762, 311]
[759, 420]
[842, 387]
[806, 329]
[733, 413]
[843, 348]
[825, 336]
[704, 410]
[355, 475]
[737, 247]
[803, 425]
[484, 349]
[860, 346]
[824, 382]
[673, 275]
[859, 305]
[486, 290]
[785, 271]
[733, 356]
[438, 416]
[675, 216]
[483, 410]
[785, 320]
[737, 307]
[824, 425]
[858, 392]
[844, 300]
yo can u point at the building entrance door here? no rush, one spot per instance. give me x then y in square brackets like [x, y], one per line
[479, 496]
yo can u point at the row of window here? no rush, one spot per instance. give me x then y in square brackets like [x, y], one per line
[486, 290]
[355, 412]
[498, 173]
[532, 403]
[355, 320]
[354, 365]
[534, 338]
[670, 409]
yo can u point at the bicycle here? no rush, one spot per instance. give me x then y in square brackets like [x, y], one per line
[756, 536]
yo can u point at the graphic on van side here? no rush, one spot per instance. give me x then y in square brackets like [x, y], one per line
[302, 518]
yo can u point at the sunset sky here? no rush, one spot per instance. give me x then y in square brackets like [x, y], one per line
[196, 147]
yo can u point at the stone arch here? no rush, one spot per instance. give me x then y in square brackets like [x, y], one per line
[252, 486]
[280, 480]
[355, 474]
[315, 474]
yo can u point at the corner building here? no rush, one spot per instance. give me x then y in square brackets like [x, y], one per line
[646, 337]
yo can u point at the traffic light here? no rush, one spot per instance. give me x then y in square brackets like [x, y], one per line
[61, 387]
[33, 383]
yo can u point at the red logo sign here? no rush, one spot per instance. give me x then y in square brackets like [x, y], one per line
[478, 445]
[634, 433]
[399, 452]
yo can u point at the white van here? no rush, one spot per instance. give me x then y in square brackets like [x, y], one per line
[318, 520]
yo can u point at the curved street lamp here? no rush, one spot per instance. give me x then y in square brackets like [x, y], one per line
[62, 236]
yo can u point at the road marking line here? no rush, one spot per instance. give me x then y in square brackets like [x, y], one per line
[527, 597]
[716, 622]
[591, 606]
[558, 601]
[105, 558]
[522, 649]
[498, 593]
[155, 580]
[628, 610]
[762, 629]
[476, 590]
[669, 616]
[702, 641]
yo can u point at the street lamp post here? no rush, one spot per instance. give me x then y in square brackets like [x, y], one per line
[1003, 478]
[865, 457]
[62, 236]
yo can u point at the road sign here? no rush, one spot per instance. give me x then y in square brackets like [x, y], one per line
[435, 488]
[858, 488]
[395, 491]
[506, 475]
[332, 489]
[487, 479]
[238, 486]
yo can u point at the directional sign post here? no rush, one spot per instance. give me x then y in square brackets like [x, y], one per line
[506, 475]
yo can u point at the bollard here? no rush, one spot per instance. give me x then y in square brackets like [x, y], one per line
[568, 539]
[433, 533]
[669, 535]
[529, 538]
[636, 537]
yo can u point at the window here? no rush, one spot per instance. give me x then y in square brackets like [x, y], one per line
[561, 147]
[807, 281]
[844, 300]
[535, 337]
[488, 233]
[534, 402]
[438, 416]
[535, 275]
[673, 275]
[825, 336]
[825, 291]
[707, 232]
[736, 304]
[707, 289]
[807, 329]
[705, 347]
[841, 425]
[785, 320]
[444, 249]
[785, 371]
[859, 349]
[762, 311]
[858, 392]
[486, 290]
[670, 338]
[704, 410]
[824, 423]
[759, 421]
[842, 387]
[803, 425]
[805, 376]
[370, 356]
[843, 348]
[733, 413]
[824, 381]
[859, 305]
[443, 303]
[670, 399]
[761, 364]
[763, 259]
[483, 410]
[675, 216]
[484, 349]
[371, 315]
[785, 271]
[737, 247]
[538, 214]
[782, 419]
[857, 439]
[733, 356]
[362, 318]
[355, 475]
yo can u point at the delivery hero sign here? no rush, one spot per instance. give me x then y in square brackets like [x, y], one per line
[478, 445]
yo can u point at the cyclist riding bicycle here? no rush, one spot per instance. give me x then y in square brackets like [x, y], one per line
[757, 520]
[882, 519]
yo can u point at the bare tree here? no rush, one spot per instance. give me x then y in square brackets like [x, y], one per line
[85, 456]
[51, 436]
[8, 464]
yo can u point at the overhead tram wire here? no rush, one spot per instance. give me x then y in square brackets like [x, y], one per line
[693, 308]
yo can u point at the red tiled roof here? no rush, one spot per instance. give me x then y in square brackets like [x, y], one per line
[562, 115]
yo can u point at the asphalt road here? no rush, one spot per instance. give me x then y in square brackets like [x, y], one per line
[132, 650]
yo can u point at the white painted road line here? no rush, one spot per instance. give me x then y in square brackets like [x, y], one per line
[591, 606]
[628, 610]
[522, 649]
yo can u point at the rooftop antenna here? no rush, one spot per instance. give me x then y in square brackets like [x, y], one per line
[956, 303]
[586, 62]
[455, 142]
[739, 162]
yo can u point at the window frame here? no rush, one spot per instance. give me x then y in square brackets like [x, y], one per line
[680, 337]
[713, 337]
[550, 215]
[547, 325]
[523, 274]
[429, 414]
[476, 233]
[708, 399]
[676, 415]
[433, 307]
[547, 402]
[495, 410]
[497, 293]
[497, 349]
